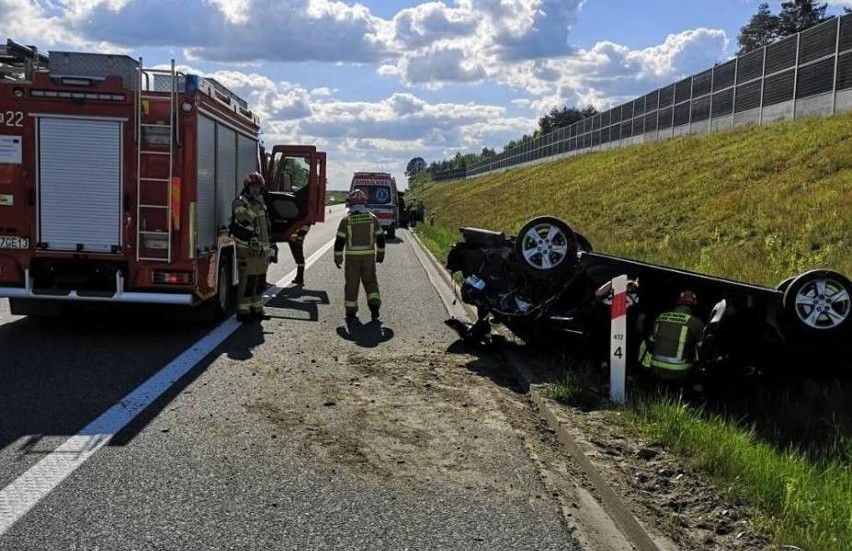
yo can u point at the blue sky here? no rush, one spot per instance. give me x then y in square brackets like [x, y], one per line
[378, 82]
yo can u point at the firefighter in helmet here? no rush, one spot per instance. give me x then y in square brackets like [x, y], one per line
[361, 242]
[251, 229]
[297, 247]
[672, 350]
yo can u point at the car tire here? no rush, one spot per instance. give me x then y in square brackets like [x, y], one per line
[583, 244]
[819, 302]
[784, 284]
[546, 246]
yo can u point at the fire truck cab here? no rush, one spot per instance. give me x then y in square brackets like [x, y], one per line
[116, 182]
[295, 188]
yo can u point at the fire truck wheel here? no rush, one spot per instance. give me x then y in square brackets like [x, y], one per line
[225, 300]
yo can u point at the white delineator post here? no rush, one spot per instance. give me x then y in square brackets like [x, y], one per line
[618, 340]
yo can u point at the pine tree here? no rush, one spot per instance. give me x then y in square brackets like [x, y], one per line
[798, 15]
[760, 31]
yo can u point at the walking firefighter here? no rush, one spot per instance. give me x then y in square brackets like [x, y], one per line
[361, 243]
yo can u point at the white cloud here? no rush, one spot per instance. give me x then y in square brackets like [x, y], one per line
[440, 65]
[609, 73]
[519, 47]
[220, 30]
[427, 23]
[236, 12]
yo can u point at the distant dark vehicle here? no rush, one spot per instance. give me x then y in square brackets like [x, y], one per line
[542, 286]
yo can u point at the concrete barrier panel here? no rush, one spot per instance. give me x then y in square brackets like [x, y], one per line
[722, 123]
[752, 116]
[681, 130]
[815, 105]
[699, 127]
[843, 101]
[777, 112]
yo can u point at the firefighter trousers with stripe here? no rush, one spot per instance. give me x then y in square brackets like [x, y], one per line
[359, 270]
[252, 272]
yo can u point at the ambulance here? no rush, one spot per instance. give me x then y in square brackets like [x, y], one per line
[382, 197]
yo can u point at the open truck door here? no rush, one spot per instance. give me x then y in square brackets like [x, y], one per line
[295, 188]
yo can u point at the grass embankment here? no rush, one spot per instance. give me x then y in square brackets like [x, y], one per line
[758, 205]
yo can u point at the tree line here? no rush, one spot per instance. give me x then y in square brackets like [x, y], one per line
[557, 118]
[762, 29]
[765, 27]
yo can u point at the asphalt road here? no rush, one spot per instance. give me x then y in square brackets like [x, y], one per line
[199, 468]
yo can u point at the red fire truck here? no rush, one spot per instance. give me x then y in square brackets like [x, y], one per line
[116, 182]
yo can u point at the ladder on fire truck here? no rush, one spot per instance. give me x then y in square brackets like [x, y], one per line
[19, 62]
[160, 236]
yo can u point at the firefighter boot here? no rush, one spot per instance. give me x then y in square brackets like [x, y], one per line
[244, 313]
[259, 314]
[374, 312]
[300, 276]
[256, 308]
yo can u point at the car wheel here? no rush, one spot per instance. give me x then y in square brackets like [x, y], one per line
[546, 246]
[819, 301]
[583, 243]
[784, 284]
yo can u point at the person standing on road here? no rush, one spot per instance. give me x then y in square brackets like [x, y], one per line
[251, 229]
[672, 350]
[297, 248]
[361, 242]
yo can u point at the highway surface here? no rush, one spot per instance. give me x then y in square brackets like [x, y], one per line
[129, 431]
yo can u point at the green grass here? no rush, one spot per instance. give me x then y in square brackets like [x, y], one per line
[756, 204]
[805, 503]
[438, 239]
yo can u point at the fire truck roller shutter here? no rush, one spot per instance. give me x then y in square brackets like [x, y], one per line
[206, 174]
[247, 160]
[227, 181]
[80, 183]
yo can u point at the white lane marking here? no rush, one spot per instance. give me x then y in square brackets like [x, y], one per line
[27, 490]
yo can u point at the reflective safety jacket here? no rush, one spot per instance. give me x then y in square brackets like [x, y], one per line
[361, 235]
[250, 225]
[300, 234]
[674, 344]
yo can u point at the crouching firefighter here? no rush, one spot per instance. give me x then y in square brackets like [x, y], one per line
[672, 351]
[361, 241]
[251, 229]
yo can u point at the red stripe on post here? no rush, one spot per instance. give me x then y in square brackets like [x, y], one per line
[619, 305]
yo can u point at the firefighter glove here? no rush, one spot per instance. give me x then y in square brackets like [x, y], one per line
[254, 247]
[338, 262]
[380, 258]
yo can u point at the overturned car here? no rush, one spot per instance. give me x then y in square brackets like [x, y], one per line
[545, 285]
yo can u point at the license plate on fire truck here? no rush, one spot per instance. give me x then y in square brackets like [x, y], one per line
[14, 242]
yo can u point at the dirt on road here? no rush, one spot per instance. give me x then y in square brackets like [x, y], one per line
[459, 417]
